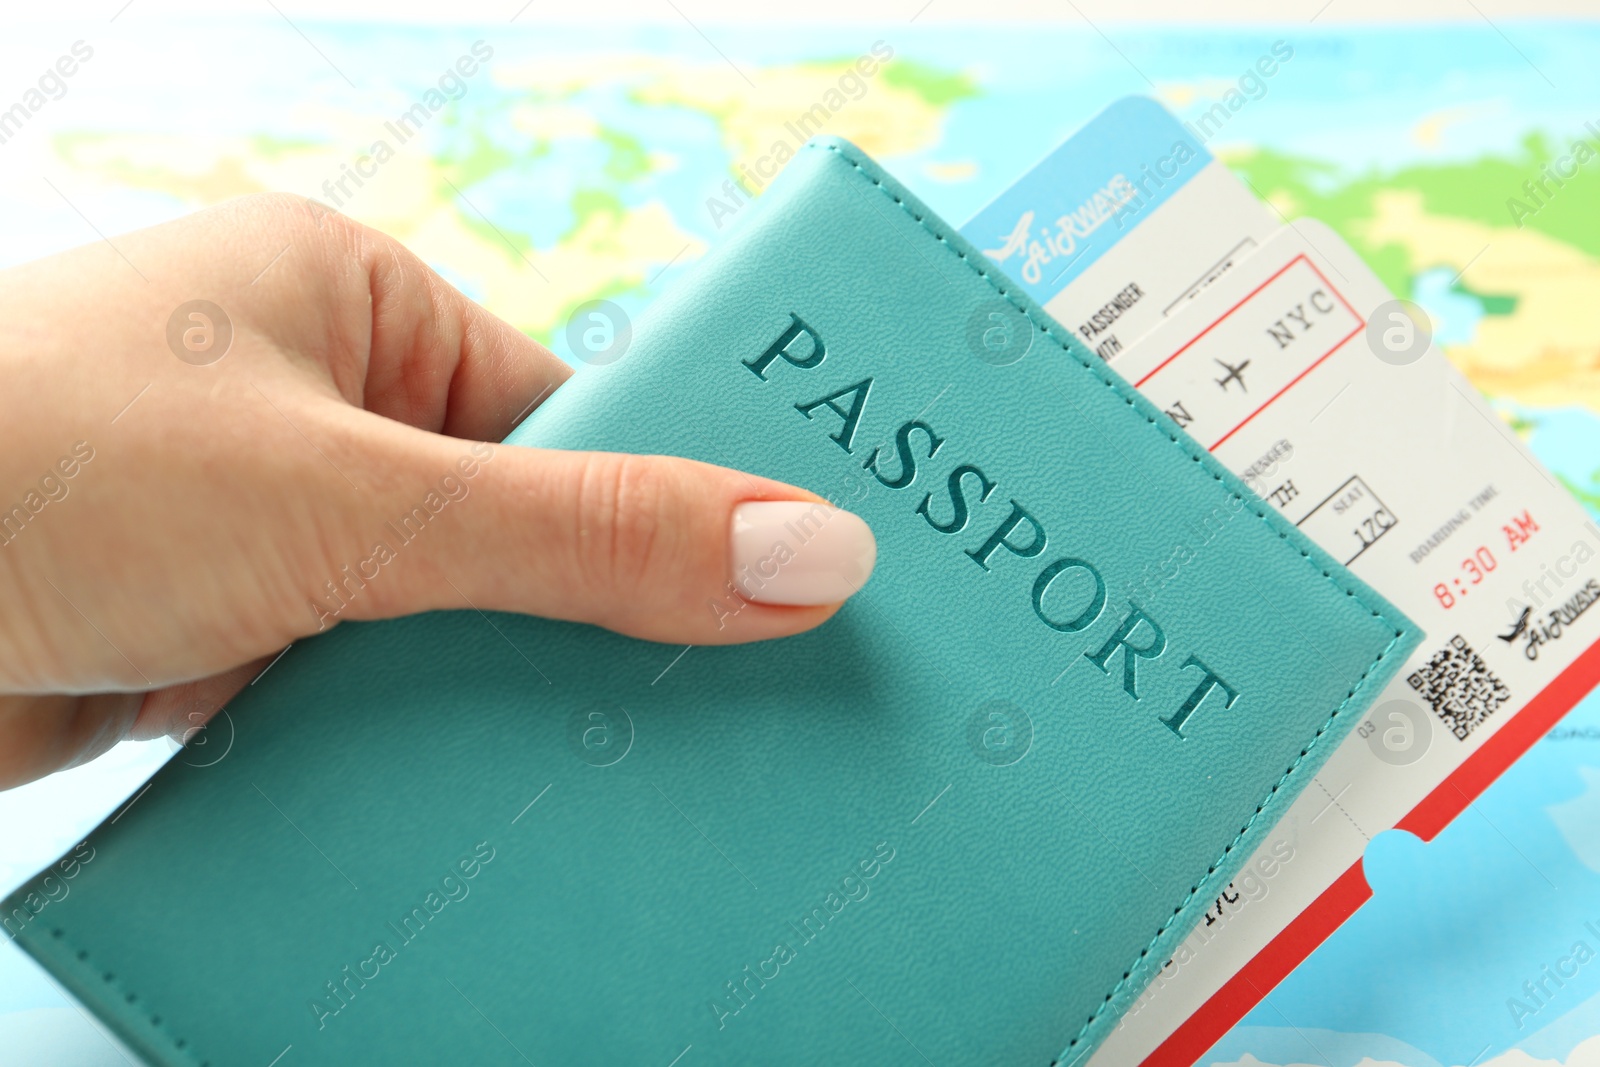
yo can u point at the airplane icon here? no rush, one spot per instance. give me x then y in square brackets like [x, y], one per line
[1235, 374]
[1519, 627]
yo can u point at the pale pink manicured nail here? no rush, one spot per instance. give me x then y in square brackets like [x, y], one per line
[796, 552]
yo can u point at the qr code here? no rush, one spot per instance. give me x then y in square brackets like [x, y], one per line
[1460, 687]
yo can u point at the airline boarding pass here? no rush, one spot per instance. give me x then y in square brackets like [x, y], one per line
[1279, 350]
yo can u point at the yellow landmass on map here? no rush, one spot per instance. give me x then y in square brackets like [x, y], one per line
[960, 170]
[560, 76]
[1179, 95]
[1429, 132]
[1544, 352]
[196, 171]
[883, 118]
[552, 121]
[611, 247]
[607, 251]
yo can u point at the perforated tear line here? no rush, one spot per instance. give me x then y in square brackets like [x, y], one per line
[1104, 378]
[80, 957]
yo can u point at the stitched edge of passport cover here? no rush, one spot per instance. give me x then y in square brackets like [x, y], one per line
[75, 970]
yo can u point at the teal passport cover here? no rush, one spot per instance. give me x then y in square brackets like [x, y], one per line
[962, 822]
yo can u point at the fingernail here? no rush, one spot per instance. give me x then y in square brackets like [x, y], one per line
[797, 552]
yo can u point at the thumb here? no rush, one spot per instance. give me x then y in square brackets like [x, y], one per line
[655, 547]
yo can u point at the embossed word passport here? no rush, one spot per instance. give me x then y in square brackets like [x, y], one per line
[962, 822]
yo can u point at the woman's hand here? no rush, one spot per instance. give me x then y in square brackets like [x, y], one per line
[168, 524]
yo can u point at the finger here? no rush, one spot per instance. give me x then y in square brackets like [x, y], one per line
[655, 547]
[441, 362]
[50, 733]
[396, 338]
[45, 734]
[178, 711]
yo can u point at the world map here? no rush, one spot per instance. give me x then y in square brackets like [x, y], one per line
[580, 163]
